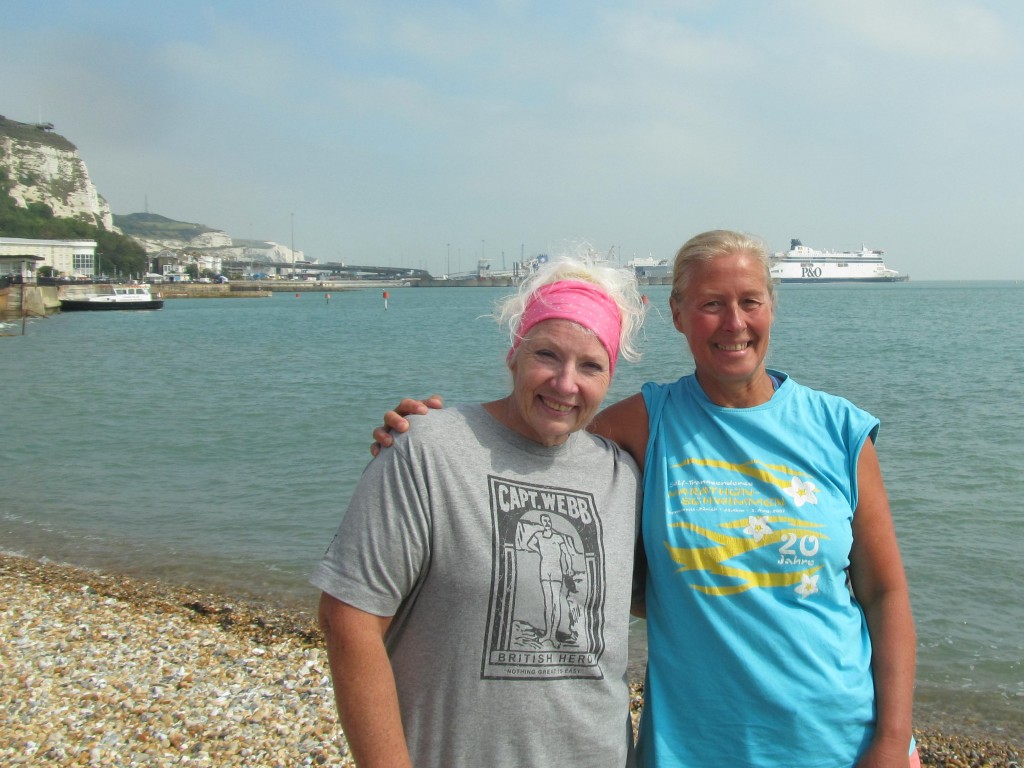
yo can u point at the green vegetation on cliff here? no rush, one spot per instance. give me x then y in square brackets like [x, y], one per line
[37, 222]
[154, 227]
[34, 134]
[119, 254]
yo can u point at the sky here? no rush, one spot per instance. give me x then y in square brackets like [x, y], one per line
[432, 134]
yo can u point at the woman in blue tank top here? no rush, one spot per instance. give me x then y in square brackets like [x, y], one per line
[778, 614]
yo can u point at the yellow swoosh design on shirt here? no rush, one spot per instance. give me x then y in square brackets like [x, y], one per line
[711, 560]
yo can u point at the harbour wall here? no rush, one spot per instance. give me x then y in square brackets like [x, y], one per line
[21, 300]
[500, 282]
[18, 300]
[30, 300]
[207, 291]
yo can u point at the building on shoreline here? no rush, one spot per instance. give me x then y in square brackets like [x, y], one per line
[73, 258]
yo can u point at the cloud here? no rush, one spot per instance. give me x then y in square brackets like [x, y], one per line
[402, 127]
[928, 29]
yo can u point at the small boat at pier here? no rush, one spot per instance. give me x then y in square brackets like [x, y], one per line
[108, 297]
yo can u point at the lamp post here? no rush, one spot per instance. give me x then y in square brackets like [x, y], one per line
[448, 274]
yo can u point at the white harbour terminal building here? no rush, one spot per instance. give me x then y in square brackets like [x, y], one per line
[73, 258]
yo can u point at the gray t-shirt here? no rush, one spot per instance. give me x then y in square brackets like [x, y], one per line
[507, 566]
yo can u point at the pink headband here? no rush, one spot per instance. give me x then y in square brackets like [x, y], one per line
[578, 301]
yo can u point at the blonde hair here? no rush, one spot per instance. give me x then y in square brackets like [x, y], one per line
[706, 246]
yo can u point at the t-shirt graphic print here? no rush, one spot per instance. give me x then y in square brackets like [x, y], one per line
[545, 616]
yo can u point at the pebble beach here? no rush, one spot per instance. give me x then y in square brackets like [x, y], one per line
[103, 670]
[98, 670]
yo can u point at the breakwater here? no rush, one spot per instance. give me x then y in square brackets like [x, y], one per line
[208, 291]
[505, 281]
[20, 300]
[29, 300]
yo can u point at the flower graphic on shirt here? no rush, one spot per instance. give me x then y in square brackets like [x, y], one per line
[808, 585]
[802, 491]
[758, 527]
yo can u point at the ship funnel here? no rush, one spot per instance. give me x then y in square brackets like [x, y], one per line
[794, 244]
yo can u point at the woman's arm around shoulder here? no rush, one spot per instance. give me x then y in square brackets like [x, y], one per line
[625, 423]
[880, 585]
[364, 684]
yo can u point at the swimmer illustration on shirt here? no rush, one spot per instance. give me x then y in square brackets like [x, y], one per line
[555, 550]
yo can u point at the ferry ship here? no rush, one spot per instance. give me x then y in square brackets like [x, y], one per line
[801, 264]
[648, 269]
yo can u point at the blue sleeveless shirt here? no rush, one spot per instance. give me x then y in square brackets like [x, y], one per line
[758, 654]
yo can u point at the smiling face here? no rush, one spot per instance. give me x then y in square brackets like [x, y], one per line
[560, 375]
[726, 312]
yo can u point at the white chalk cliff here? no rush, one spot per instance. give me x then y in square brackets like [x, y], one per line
[44, 167]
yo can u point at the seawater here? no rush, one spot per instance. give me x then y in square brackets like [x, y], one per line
[216, 442]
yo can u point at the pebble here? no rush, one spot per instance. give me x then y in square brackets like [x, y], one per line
[99, 670]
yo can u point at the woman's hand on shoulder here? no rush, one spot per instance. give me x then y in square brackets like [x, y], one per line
[395, 421]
